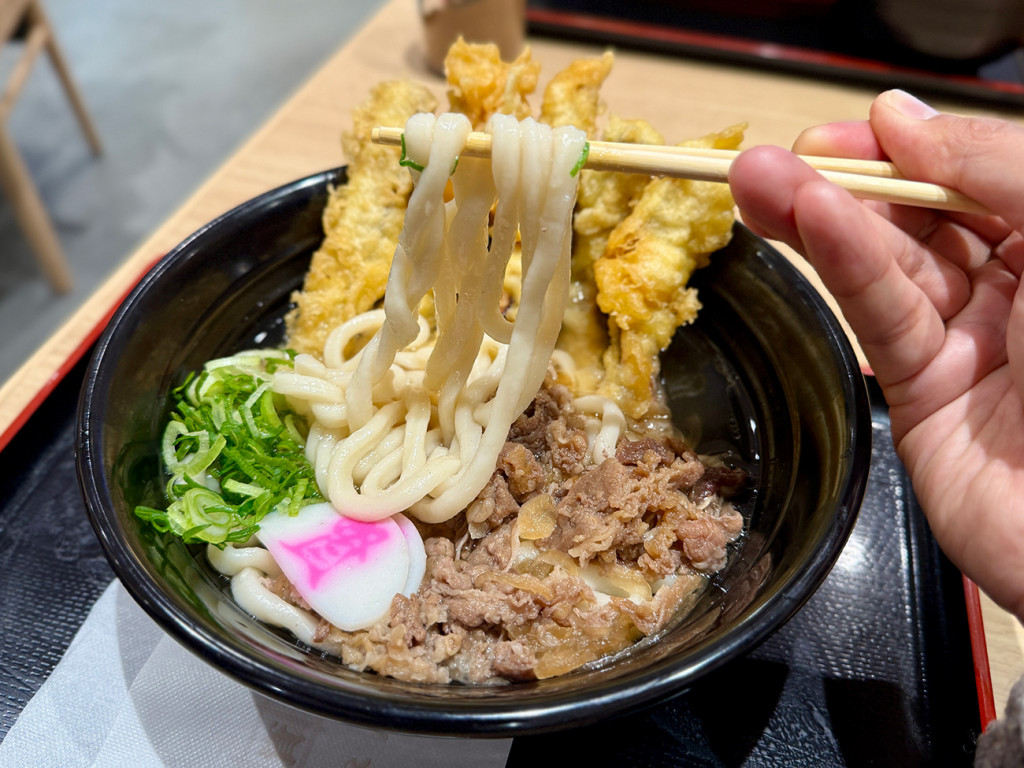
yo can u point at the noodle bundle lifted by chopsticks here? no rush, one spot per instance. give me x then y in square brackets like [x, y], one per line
[502, 393]
[414, 419]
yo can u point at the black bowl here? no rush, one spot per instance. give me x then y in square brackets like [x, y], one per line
[765, 376]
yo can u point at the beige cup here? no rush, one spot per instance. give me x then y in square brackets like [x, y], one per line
[502, 22]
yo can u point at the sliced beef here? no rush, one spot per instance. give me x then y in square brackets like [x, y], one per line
[722, 481]
[530, 429]
[494, 609]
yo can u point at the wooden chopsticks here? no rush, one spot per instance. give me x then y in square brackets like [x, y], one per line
[865, 179]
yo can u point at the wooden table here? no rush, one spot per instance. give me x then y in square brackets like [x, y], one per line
[683, 98]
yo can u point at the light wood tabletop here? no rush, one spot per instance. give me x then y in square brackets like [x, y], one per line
[683, 98]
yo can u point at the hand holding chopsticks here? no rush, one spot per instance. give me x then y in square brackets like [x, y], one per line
[865, 179]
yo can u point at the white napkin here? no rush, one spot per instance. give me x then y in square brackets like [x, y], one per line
[125, 693]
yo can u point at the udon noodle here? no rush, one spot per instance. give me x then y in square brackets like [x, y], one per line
[414, 420]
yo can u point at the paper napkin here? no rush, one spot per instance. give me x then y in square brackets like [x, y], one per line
[125, 693]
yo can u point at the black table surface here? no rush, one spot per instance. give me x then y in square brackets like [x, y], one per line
[876, 669]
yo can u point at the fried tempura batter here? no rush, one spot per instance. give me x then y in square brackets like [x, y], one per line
[573, 95]
[642, 275]
[604, 199]
[480, 84]
[362, 221]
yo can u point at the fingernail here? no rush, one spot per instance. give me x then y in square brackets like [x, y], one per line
[909, 106]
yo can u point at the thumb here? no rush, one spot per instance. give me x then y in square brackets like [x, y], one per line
[979, 156]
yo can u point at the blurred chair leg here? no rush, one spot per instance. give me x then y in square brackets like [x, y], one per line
[64, 73]
[32, 215]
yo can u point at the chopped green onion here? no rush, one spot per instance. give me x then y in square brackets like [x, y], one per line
[234, 450]
[582, 161]
[404, 160]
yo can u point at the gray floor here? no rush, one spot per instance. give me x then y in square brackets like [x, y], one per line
[173, 88]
